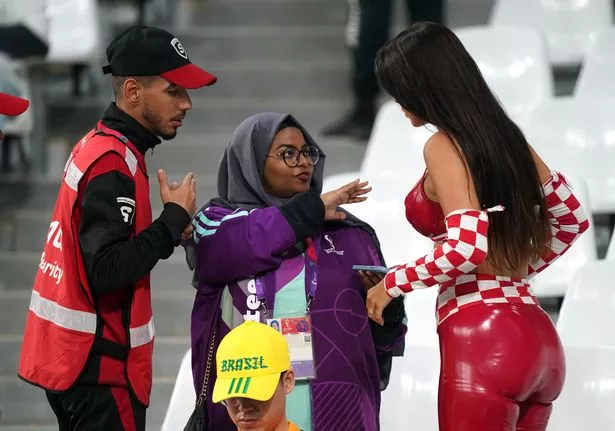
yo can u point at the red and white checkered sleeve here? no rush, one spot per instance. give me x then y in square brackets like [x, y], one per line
[566, 219]
[464, 249]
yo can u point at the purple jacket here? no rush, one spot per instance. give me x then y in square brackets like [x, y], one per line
[233, 246]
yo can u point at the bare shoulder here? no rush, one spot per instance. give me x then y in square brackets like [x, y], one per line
[450, 175]
[440, 147]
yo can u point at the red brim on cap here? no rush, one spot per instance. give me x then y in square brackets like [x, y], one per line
[12, 105]
[189, 76]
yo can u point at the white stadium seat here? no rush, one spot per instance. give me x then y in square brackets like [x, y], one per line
[568, 25]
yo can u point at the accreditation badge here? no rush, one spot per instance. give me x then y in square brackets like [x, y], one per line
[298, 334]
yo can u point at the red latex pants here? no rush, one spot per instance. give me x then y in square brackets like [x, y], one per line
[502, 367]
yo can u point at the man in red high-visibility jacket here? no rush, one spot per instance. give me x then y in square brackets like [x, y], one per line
[89, 333]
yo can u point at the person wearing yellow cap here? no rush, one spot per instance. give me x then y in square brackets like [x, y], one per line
[254, 376]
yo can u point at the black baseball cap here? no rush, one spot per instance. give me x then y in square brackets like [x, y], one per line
[150, 51]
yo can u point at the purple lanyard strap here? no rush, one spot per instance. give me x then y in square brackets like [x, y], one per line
[311, 269]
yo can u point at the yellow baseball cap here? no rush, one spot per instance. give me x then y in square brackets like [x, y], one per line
[249, 362]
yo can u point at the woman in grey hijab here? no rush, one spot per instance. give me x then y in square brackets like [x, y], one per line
[272, 246]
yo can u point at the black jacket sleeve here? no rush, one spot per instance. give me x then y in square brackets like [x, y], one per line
[305, 213]
[113, 259]
[393, 315]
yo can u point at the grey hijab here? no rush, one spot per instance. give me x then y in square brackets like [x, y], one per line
[241, 170]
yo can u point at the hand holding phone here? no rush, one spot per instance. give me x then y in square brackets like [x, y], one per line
[371, 275]
[372, 268]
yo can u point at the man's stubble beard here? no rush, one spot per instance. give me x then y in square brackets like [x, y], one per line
[154, 120]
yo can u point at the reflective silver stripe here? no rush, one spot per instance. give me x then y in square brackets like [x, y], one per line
[131, 161]
[142, 335]
[55, 313]
[73, 176]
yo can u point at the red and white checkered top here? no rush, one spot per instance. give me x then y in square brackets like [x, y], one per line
[566, 219]
[452, 264]
[472, 289]
[462, 252]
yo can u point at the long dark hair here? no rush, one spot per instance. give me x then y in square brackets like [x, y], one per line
[427, 70]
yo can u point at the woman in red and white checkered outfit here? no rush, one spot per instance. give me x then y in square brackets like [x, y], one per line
[499, 216]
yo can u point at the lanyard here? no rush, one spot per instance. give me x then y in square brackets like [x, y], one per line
[311, 271]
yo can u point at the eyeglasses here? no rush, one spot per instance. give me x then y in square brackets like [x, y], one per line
[234, 402]
[291, 155]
